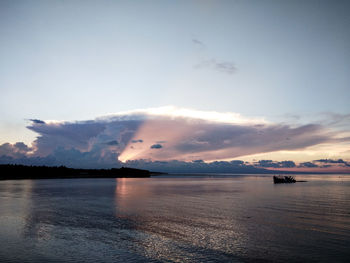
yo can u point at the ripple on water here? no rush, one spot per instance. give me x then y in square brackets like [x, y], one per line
[198, 219]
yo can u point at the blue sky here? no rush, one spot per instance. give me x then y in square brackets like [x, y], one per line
[281, 61]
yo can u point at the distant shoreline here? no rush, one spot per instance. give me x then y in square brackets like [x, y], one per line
[20, 172]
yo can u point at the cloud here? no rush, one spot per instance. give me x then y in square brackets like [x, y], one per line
[198, 166]
[335, 119]
[220, 66]
[136, 141]
[96, 158]
[83, 136]
[308, 165]
[329, 161]
[339, 161]
[274, 164]
[112, 143]
[198, 42]
[156, 146]
[220, 141]
[214, 64]
[189, 135]
[37, 121]
[17, 150]
[171, 112]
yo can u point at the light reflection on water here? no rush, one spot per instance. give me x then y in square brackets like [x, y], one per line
[176, 219]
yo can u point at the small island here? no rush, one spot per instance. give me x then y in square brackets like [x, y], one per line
[16, 172]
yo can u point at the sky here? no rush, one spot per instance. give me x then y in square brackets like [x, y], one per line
[129, 81]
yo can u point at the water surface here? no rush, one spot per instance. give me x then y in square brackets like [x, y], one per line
[226, 218]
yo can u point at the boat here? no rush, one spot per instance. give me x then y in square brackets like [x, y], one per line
[283, 179]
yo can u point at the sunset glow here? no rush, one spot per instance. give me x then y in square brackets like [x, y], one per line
[174, 131]
[168, 88]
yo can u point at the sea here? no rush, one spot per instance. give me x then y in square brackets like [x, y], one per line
[176, 218]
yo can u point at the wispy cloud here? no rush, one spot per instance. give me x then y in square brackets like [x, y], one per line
[220, 66]
[198, 42]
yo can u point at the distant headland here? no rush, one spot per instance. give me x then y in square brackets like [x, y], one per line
[15, 172]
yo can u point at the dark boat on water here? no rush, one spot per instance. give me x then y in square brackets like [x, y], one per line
[283, 179]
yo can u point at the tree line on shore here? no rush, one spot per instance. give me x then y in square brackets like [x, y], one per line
[13, 171]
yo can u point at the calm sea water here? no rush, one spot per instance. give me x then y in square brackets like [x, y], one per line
[176, 219]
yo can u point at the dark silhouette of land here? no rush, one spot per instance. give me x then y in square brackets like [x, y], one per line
[284, 179]
[14, 172]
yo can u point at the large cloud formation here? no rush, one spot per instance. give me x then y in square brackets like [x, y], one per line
[161, 134]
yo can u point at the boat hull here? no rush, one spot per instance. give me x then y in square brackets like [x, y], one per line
[283, 179]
